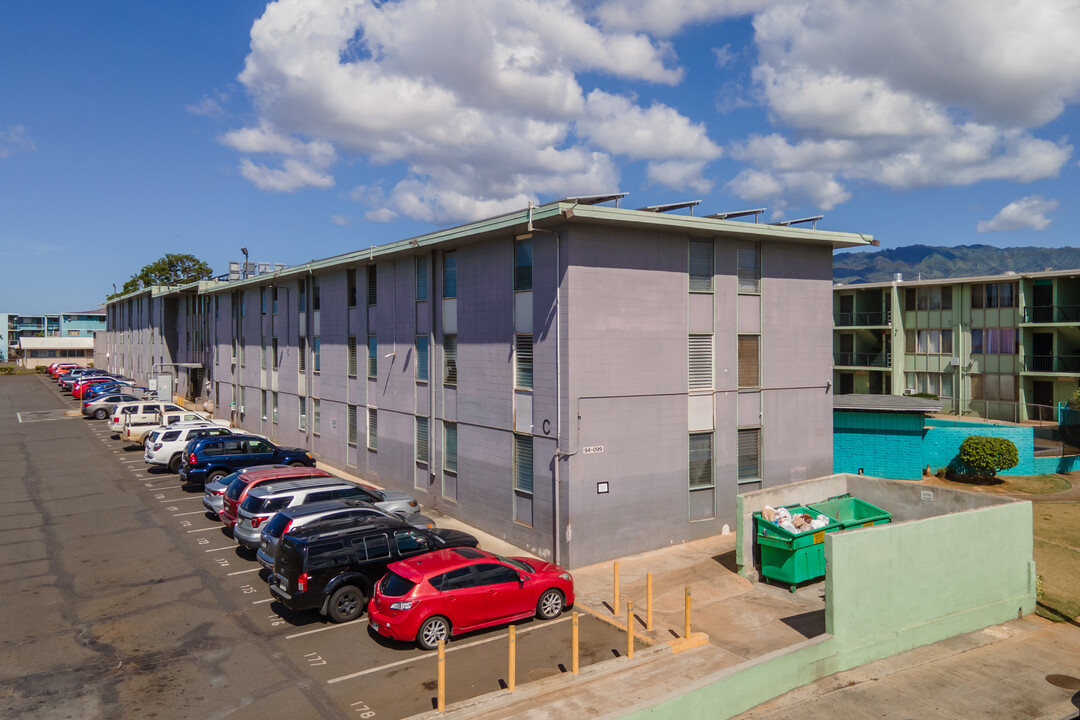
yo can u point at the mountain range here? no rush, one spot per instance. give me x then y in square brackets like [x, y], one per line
[929, 262]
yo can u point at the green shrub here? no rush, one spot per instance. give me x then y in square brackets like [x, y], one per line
[982, 457]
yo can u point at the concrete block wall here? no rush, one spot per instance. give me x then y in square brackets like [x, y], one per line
[879, 444]
[943, 439]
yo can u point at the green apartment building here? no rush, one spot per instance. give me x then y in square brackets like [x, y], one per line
[1005, 347]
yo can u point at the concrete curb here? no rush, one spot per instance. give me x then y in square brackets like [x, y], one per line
[545, 686]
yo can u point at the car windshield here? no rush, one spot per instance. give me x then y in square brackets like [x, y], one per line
[516, 563]
[276, 526]
[236, 487]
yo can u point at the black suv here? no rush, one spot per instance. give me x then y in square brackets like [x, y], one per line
[333, 568]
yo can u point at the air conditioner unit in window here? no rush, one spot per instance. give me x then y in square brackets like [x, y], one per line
[907, 391]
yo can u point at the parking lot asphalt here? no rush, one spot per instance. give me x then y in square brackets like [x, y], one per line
[124, 599]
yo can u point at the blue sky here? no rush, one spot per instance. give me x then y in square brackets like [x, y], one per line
[309, 128]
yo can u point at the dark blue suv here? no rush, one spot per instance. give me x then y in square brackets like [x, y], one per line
[207, 459]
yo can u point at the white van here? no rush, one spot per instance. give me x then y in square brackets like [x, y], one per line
[141, 413]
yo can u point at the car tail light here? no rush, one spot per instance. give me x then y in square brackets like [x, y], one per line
[86, 404]
[192, 460]
[218, 492]
[287, 527]
[257, 521]
[301, 583]
[402, 605]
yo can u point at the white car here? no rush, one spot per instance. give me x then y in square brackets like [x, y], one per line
[138, 413]
[136, 432]
[165, 444]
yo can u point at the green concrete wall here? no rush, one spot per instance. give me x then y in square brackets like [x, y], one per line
[889, 588]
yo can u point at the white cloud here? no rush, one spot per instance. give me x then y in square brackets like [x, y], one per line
[619, 126]
[209, 106]
[665, 18]
[478, 100]
[724, 56]
[1023, 214]
[15, 140]
[678, 174]
[786, 190]
[341, 220]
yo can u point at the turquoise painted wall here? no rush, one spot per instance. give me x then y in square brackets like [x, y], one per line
[901, 445]
[885, 445]
[943, 439]
[889, 588]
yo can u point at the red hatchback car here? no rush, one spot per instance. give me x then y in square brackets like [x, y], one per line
[429, 597]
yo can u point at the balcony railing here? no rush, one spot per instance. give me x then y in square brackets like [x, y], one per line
[1051, 313]
[859, 319]
[873, 359]
[1052, 363]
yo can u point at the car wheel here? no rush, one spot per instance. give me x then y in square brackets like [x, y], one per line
[101, 414]
[347, 603]
[297, 464]
[174, 462]
[215, 475]
[432, 631]
[550, 605]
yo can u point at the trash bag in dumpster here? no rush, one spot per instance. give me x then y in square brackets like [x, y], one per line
[851, 512]
[788, 555]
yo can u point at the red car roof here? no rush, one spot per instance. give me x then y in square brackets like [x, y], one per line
[284, 473]
[417, 569]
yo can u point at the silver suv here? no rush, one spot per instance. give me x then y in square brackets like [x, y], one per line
[263, 501]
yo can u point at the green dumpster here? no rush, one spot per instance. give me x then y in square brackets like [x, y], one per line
[792, 558]
[851, 512]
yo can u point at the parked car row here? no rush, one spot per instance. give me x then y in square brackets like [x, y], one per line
[332, 545]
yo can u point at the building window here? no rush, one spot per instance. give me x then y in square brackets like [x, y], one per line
[274, 406]
[940, 384]
[301, 294]
[316, 416]
[931, 342]
[421, 440]
[316, 354]
[701, 362]
[749, 371]
[701, 266]
[450, 359]
[265, 406]
[262, 300]
[372, 357]
[350, 292]
[421, 279]
[523, 362]
[523, 478]
[303, 413]
[749, 267]
[243, 396]
[749, 450]
[262, 355]
[316, 296]
[450, 446]
[273, 354]
[352, 425]
[372, 285]
[1000, 388]
[994, 341]
[523, 265]
[234, 352]
[350, 362]
[450, 275]
[701, 461]
[301, 355]
[243, 353]
[422, 358]
[372, 428]
[993, 295]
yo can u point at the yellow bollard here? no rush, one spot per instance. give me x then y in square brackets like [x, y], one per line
[441, 702]
[574, 643]
[512, 672]
[648, 601]
[615, 604]
[629, 629]
[686, 631]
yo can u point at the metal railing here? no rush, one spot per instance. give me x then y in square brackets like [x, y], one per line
[1052, 363]
[1051, 313]
[855, 319]
[871, 359]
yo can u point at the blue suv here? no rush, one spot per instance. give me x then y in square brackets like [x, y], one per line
[207, 459]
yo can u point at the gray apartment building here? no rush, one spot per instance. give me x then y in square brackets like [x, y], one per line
[584, 381]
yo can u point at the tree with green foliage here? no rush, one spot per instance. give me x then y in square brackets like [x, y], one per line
[981, 457]
[172, 269]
